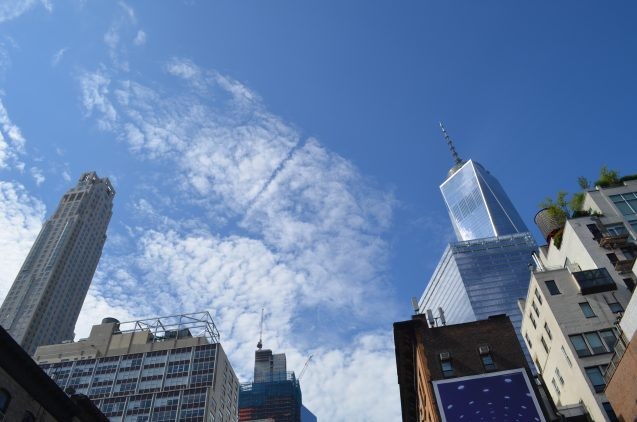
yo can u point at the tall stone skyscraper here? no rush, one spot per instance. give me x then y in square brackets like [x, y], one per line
[46, 297]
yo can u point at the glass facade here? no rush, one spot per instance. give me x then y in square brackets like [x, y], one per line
[626, 203]
[167, 385]
[479, 278]
[477, 204]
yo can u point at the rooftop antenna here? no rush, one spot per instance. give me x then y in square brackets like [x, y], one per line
[454, 154]
[415, 306]
[260, 343]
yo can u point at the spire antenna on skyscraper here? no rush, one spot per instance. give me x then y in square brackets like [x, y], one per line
[454, 154]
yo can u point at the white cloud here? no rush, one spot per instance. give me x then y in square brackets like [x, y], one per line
[11, 9]
[306, 234]
[95, 90]
[12, 141]
[140, 38]
[37, 175]
[21, 217]
[57, 56]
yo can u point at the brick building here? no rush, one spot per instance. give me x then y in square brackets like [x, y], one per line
[480, 364]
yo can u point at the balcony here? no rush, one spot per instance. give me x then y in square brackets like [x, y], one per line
[594, 281]
[613, 241]
[624, 266]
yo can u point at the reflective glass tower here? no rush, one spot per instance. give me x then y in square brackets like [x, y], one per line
[486, 271]
[46, 297]
[477, 204]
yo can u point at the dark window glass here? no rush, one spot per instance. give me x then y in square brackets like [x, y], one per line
[447, 368]
[580, 345]
[609, 338]
[487, 361]
[5, 399]
[546, 347]
[610, 412]
[28, 417]
[594, 281]
[630, 283]
[596, 377]
[612, 258]
[587, 310]
[595, 342]
[594, 230]
[552, 286]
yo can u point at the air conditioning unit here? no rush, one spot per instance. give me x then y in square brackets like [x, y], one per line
[445, 356]
[483, 350]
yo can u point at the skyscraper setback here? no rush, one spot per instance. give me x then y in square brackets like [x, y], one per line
[46, 297]
[486, 271]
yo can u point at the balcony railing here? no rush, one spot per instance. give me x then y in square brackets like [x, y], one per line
[624, 266]
[613, 241]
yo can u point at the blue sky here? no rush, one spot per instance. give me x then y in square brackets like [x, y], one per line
[287, 154]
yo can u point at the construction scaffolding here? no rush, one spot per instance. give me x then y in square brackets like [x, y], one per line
[198, 324]
[279, 399]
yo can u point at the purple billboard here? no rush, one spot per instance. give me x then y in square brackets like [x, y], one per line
[504, 396]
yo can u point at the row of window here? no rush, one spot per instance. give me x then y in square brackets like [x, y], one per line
[446, 363]
[594, 342]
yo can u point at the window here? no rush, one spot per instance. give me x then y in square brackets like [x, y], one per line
[548, 330]
[446, 365]
[591, 343]
[528, 340]
[538, 296]
[587, 310]
[613, 303]
[580, 345]
[532, 320]
[597, 233]
[612, 258]
[559, 376]
[568, 360]
[537, 312]
[557, 388]
[544, 345]
[630, 284]
[609, 338]
[5, 399]
[595, 343]
[594, 281]
[596, 377]
[610, 412]
[616, 229]
[552, 286]
[487, 362]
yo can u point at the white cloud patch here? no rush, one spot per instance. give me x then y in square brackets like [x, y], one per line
[95, 90]
[21, 217]
[304, 235]
[37, 175]
[12, 9]
[57, 56]
[12, 141]
[140, 38]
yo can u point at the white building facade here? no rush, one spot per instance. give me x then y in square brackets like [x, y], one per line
[576, 294]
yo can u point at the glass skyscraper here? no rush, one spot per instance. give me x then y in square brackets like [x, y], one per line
[477, 204]
[487, 270]
[46, 297]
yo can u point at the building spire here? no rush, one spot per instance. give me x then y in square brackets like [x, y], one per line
[454, 154]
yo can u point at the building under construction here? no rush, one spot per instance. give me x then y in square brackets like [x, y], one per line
[275, 394]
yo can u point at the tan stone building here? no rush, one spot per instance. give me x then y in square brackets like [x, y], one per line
[464, 371]
[168, 368]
